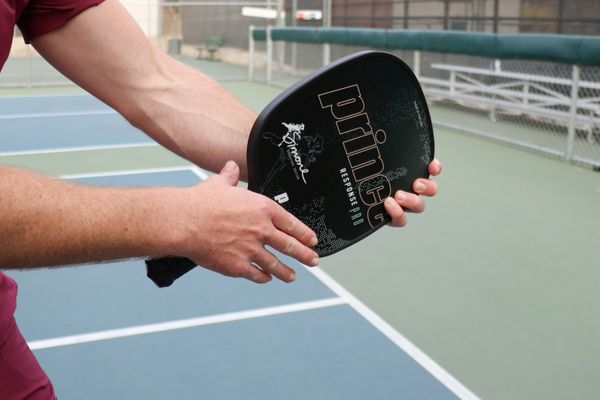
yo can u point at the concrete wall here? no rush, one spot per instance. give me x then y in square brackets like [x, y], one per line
[145, 13]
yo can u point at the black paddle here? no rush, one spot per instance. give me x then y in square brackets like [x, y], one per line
[332, 147]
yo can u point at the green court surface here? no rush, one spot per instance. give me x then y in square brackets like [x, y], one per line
[497, 281]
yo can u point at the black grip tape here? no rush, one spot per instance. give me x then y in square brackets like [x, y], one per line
[164, 271]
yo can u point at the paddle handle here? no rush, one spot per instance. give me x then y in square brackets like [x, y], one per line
[164, 271]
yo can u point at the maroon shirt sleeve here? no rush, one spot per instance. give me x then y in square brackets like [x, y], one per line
[43, 16]
[10, 10]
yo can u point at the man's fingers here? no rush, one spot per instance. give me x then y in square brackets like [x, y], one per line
[425, 187]
[255, 274]
[396, 212]
[286, 222]
[269, 264]
[231, 173]
[435, 167]
[410, 202]
[290, 246]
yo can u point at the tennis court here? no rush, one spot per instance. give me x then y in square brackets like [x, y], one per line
[209, 336]
[492, 293]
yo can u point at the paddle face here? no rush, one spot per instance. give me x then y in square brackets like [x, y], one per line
[331, 148]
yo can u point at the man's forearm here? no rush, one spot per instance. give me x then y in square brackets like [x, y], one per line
[194, 117]
[105, 52]
[48, 222]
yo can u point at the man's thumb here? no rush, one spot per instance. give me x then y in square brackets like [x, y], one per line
[231, 173]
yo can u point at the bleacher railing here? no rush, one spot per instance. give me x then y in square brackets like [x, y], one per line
[541, 92]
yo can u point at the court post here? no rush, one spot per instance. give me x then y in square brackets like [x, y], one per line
[326, 24]
[251, 53]
[280, 23]
[573, 112]
[294, 44]
[269, 55]
[417, 63]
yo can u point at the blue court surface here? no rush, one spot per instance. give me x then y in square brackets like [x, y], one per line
[106, 332]
[39, 123]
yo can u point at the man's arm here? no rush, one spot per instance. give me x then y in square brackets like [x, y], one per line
[49, 222]
[215, 224]
[221, 227]
[104, 51]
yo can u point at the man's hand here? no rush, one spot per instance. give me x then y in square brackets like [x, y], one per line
[403, 202]
[233, 226]
[49, 222]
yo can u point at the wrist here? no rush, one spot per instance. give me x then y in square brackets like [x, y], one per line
[170, 226]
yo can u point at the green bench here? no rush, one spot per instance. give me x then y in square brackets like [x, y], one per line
[210, 45]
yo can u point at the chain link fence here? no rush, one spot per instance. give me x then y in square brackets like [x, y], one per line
[546, 107]
[549, 108]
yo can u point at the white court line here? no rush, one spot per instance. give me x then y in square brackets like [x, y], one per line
[398, 339]
[196, 170]
[403, 343]
[76, 149]
[345, 297]
[183, 324]
[43, 96]
[57, 114]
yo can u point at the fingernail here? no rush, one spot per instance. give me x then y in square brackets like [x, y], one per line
[419, 187]
[292, 277]
[230, 164]
[313, 242]
[400, 196]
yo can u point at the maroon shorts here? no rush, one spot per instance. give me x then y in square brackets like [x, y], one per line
[21, 376]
